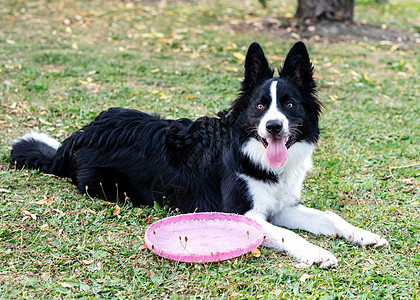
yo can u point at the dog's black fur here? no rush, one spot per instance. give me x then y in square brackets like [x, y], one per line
[190, 165]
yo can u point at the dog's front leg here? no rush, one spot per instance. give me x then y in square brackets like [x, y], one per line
[281, 239]
[326, 223]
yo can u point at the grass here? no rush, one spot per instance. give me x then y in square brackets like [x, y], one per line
[62, 62]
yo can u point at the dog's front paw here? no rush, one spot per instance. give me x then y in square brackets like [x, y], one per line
[363, 238]
[318, 256]
[325, 259]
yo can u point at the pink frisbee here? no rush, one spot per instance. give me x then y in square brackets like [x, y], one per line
[203, 237]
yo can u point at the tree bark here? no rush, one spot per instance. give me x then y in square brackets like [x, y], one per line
[337, 10]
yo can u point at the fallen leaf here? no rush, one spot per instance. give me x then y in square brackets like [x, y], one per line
[100, 280]
[305, 277]
[236, 294]
[28, 214]
[295, 35]
[61, 257]
[47, 201]
[117, 210]
[367, 78]
[301, 266]
[66, 285]
[411, 70]
[108, 203]
[276, 292]
[44, 227]
[370, 261]
[44, 122]
[87, 261]
[239, 56]
[75, 212]
[208, 68]
[143, 247]
[394, 47]
[256, 252]
[231, 69]
[82, 212]
[334, 98]
[29, 125]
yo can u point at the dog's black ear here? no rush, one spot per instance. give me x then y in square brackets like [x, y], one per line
[297, 64]
[256, 67]
[257, 71]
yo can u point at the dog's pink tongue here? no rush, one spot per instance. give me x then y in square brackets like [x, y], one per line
[276, 152]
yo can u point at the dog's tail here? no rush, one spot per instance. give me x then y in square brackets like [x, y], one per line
[34, 151]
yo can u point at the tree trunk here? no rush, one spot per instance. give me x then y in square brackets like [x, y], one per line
[337, 10]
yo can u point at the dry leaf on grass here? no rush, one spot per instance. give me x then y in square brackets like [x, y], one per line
[28, 215]
[239, 56]
[47, 201]
[108, 203]
[305, 277]
[100, 280]
[301, 266]
[44, 227]
[87, 261]
[231, 69]
[276, 292]
[66, 285]
[256, 252]
[88, 210]
[117, 210]
[236, 294]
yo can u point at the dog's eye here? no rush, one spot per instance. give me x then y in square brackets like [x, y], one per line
[290, 105]
[260, 106]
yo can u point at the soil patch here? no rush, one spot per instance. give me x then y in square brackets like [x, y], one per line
[328, 31]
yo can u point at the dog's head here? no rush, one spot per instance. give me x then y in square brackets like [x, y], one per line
[278, 111]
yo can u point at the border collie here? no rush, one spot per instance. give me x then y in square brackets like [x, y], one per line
[250, 159]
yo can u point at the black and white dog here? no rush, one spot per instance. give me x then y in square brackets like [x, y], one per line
[250, 159]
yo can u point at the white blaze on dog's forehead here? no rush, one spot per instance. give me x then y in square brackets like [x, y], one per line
[273, 93]
[273, 113]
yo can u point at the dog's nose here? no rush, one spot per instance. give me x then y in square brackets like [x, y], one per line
[274, 127]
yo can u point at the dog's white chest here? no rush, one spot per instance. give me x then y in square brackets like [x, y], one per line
[271, 198]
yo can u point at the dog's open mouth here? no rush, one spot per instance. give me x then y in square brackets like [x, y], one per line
[289, 141]
[276, 149]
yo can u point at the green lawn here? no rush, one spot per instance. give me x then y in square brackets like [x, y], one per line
[62, 62]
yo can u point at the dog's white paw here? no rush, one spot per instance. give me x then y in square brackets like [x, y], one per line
[363, 238]
[316, 255]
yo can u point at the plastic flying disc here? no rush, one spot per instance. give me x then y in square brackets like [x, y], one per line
[203, 237]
